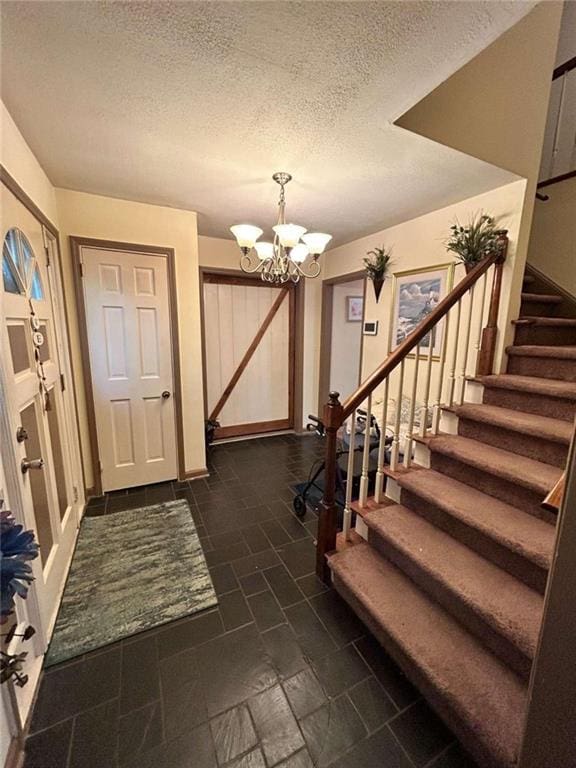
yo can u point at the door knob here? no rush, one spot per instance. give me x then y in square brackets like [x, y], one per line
[165, 394]
[27, 464]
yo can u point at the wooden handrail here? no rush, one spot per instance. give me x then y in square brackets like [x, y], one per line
[438, 313]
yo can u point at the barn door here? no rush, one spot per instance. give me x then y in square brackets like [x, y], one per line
[249, 348]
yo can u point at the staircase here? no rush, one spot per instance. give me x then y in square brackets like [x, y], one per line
[451, 575]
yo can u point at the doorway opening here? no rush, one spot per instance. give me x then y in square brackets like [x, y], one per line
[343, 300]
[252, 355]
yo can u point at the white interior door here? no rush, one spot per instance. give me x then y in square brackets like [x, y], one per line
[234, 313]
[42, 474]
[128, 322]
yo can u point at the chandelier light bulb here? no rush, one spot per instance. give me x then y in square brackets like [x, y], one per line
[264, 249]
[289, 234]
[299, 253]
[246, 234]
[316, 242]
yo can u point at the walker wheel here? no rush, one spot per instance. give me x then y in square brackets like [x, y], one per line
[299, 506]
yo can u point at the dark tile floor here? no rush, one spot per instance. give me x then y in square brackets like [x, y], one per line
[281, 673]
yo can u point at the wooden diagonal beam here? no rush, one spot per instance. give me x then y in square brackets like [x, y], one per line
[249, 353]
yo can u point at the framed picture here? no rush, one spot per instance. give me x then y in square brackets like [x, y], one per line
[354, 308]
[370, 327]
[416, 293]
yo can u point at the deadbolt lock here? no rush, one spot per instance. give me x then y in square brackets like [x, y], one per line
[21, 434]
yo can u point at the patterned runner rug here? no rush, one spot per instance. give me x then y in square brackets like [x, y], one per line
[131, 571]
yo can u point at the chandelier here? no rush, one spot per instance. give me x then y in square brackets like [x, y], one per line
[286, 258]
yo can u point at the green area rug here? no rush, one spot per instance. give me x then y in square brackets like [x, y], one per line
[131, 571]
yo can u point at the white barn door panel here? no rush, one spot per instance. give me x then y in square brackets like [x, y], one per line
[248, 395]
[128, 322]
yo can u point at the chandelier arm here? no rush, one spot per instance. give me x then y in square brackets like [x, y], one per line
[246, 264]
[314, 271]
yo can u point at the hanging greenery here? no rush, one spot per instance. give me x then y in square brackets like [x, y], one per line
[376, 264]
[471, 243]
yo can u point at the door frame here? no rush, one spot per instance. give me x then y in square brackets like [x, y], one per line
[295, 351]
[76, 244]
[326, 332]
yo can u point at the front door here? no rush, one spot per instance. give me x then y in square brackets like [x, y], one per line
[39, 444]
[128, 327]
[249, 351]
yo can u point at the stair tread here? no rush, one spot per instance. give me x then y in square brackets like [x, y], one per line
[533, 384]
[529, 473]
[560, 322]
[506, 604]
[556, 430]
[534, 350]
[547, 298]
[465, 681]
[524, 534]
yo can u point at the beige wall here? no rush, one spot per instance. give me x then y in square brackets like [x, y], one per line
[552, 248]
[495, 108]
[107, 218]
[419, 243]
[18, 159]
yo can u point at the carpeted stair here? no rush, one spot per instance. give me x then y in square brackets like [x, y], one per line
[451, 579]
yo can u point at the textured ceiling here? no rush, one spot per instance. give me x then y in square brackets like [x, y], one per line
[195, 104]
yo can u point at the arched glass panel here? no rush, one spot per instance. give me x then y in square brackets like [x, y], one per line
[20, 273]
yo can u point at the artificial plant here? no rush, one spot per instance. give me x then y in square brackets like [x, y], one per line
[474, 241]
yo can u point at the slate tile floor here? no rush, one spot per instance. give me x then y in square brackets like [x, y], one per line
[281, 673]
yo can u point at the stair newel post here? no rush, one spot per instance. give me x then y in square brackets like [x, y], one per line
[485, 365]
[328, 519]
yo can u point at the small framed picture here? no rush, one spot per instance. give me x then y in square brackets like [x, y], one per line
[354, 309]
[415, 294]
[370, 327]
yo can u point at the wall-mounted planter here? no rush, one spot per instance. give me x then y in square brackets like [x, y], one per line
[377, 282]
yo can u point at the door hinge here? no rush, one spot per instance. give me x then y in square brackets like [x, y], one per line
[62, 384]
[81, 264]
[101, 468]
[47, 252]
[75, 493]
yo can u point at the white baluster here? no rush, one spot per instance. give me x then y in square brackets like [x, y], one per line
[396, 438]
[349, 478]
[424, 409]
[366, 456]
[452, 374]
[466, 348]
[408, 444]
[441, 367]
[379, 490]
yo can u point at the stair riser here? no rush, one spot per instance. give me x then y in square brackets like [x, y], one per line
[542, 405]
[542, 367]
[435, 696]
[544, 335]
[536, 448]
[454, 603]
[516, 495]
[538, 309]
[513, 563]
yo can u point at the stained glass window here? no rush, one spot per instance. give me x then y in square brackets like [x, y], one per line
[20, 272]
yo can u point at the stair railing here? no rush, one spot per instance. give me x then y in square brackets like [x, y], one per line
[465, 326]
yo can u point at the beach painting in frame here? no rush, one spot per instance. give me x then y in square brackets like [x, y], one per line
[416, 293]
